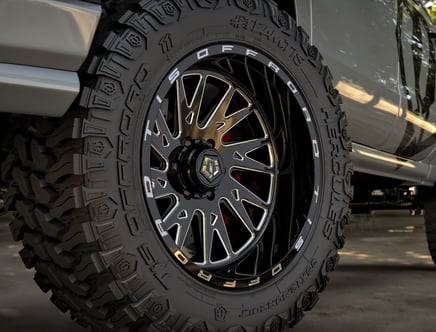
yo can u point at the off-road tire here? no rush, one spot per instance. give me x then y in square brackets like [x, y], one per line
[77, 182]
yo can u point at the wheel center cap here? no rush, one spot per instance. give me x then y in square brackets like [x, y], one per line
[209, 168]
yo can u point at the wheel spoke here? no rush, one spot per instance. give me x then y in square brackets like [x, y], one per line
[220, 227]
[217, 119]
[223, 125]
[160, 183]
[234, 119]
[188, 111]
[181, 216]
[252, 165]
[214, 224]
[246, 194]
[245, 162]
[237, 156]
[242, 148]
[208, 235]
[165, 140]
[161, 153]
[238, 206]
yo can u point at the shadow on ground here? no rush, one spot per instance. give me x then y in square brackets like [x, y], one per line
[385, 282]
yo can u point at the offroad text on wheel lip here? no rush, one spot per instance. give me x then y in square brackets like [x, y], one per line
[184, 145]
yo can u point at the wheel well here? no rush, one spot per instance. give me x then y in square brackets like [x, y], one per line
[5, 137]
[288, 6]
[392, 193]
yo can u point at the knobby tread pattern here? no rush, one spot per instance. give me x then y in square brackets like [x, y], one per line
[56, 170]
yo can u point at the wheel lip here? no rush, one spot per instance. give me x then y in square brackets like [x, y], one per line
[240, 48]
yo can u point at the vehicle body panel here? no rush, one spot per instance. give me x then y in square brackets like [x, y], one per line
[415, 129]
[47, 33]
[42, 91]
[355, 39]
[381, 54]
[43, 43]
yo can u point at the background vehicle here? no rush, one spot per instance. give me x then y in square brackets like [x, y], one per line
[184, 165]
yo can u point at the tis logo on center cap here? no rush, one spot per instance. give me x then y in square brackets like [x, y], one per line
[210, 168]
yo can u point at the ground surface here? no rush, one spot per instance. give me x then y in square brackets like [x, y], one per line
[385, 282]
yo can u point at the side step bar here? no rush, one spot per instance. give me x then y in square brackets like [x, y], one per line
[370, 161]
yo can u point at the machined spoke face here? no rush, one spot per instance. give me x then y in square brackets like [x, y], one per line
[180, 218]
[208, 107]
[165, 141]
[190, 92]
[243, 215]
[241, 192]
[160, 184]
[238, 155]
[216, 238]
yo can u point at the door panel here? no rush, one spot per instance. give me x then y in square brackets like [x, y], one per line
[415, 134]
[382, 56]
[358, 41]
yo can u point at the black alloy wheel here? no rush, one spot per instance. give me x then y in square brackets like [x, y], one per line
[211, 167]
[213, 193]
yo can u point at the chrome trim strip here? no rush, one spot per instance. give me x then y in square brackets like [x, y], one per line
[38, 91]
